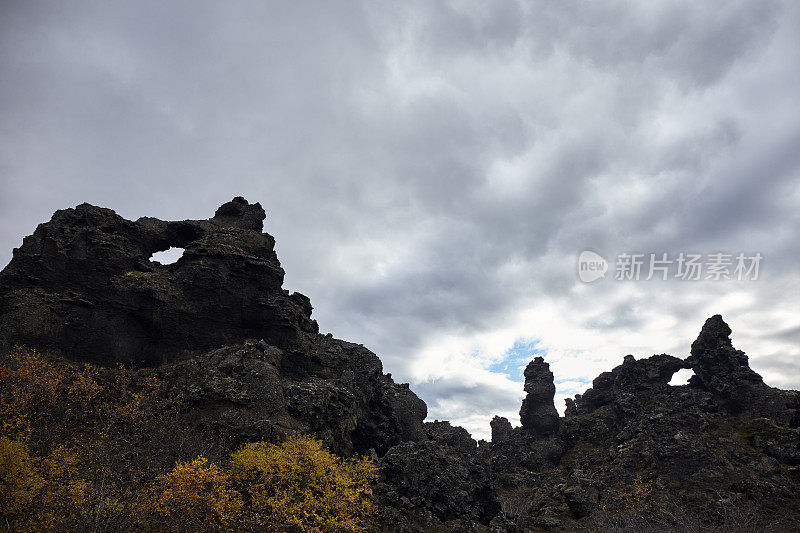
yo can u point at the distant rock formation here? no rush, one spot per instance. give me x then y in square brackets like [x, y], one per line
[633, 376]
[724, 371]
[725, 432]
[538, 412]
[501, 428]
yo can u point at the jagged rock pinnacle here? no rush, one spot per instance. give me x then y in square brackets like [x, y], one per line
[501, 429]
[239, 213]
[538, 414]
[721, 368]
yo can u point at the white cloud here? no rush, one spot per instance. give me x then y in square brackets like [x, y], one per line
[432, 170]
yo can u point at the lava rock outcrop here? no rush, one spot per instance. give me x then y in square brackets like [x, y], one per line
[538, 413]
[437, 485]
[217, 322]
[84, 284]
[724, 371]
[650, 375]
[631, 453]
[244, 354]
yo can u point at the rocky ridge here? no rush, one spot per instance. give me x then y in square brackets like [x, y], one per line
[632, 452]
[216, 322]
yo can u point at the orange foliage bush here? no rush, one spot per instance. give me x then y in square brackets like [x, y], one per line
[87, 448]
[28, 391]
[196, 494]
[299, 484]
[20, 482]
[43, 494]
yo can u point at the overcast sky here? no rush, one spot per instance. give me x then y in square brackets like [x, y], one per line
[432, 170]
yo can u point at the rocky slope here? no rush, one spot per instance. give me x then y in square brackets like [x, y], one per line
[631, 453]
[217, 322]
[635, 453]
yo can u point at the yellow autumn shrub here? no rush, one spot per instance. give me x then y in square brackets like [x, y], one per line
[301, 485]
[20, 482]
[89, 448]
[29, 388]
[68, 501]
[43, 494]
[196, 496]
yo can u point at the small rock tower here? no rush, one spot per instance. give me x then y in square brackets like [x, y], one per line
[538, 412]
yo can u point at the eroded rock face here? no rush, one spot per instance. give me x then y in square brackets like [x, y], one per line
[725, 434]
[538, 412]
[435, 485]
[633, 376]
[501, 429]
[724, 371]
[84, 284]
[455, 437]
[244, 352]
[242, 394]
[717, 365]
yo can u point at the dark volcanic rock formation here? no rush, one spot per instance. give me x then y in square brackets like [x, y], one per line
[501, 428]
[441, 484]
[631, 453]
[724, 371]
[242, 352]
[651, 375]
[634, 453]
[538, 413]
[718, 366]
[83, 285]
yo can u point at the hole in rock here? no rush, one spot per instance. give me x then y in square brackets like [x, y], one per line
[681, 377]
[167, 257]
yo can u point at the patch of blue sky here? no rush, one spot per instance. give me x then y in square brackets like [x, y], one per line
[516, 358]
[580, 381]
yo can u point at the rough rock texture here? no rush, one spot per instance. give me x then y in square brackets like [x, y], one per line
[538, 413]
[724, 371]
[501, 429]
[83, 285]
[623, 383]
[721, 453]
[440, 483]
[243, 353]
[243, 394]
[634, 453]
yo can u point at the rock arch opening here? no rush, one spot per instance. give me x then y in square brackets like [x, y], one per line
[681, 377]
[168, 256]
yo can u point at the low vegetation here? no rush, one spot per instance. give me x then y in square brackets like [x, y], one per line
[86, 448]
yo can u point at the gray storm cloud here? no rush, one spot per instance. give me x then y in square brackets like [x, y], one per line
[432, 170]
